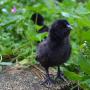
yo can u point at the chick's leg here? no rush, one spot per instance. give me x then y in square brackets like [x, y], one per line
[48, 80]
[60, 75]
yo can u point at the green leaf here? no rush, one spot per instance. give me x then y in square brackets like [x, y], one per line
[72, 75]
[86, 84]
[65, 14]
[86, 35]
[81, 10]
[84, 65]
[24, 62]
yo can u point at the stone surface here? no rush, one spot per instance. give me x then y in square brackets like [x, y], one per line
[22, 79]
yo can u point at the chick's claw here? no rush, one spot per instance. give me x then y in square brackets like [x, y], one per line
[60, 78]
[48, 82]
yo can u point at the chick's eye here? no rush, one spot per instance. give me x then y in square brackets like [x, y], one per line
[63, 26]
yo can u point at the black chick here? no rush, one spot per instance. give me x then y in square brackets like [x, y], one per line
[56, 49]
[39, 20]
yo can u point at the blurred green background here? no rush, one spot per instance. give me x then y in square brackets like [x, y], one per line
[18, 36]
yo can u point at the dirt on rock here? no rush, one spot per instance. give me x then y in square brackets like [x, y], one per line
[12, 78]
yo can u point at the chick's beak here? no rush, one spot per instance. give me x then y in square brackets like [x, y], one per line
[69, 27]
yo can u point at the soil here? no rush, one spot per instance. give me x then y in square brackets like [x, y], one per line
[13, 78]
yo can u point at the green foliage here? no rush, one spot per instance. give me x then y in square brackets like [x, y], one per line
[18, 36]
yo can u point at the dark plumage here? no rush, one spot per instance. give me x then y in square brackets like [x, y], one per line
[56, 49]
[37, 19]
